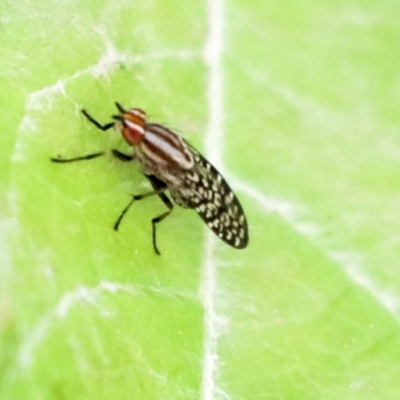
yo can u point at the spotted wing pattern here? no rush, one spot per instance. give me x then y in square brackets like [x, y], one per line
[206, 190]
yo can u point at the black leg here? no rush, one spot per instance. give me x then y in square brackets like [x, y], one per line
[121, 156]
[158, 184]
[154, 223]
[134, 198]
[81, 158]
[115, 153]
[88, 156]
[125, 210]
[105, 127]
[97, 124]
[159, 188]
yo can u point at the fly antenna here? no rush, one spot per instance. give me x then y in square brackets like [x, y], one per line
[120, 108]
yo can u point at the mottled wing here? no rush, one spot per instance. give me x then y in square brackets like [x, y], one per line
[217, 205]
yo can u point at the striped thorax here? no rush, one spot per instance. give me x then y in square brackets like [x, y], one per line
[156, 147]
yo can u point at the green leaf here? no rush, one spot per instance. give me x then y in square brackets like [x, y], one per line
[297, 104]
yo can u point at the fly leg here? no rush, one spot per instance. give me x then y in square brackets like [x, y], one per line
[159, 188]
[87, 156]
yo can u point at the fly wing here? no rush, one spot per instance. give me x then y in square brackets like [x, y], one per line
[216, 203]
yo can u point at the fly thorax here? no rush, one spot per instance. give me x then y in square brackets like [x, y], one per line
[165, 149]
